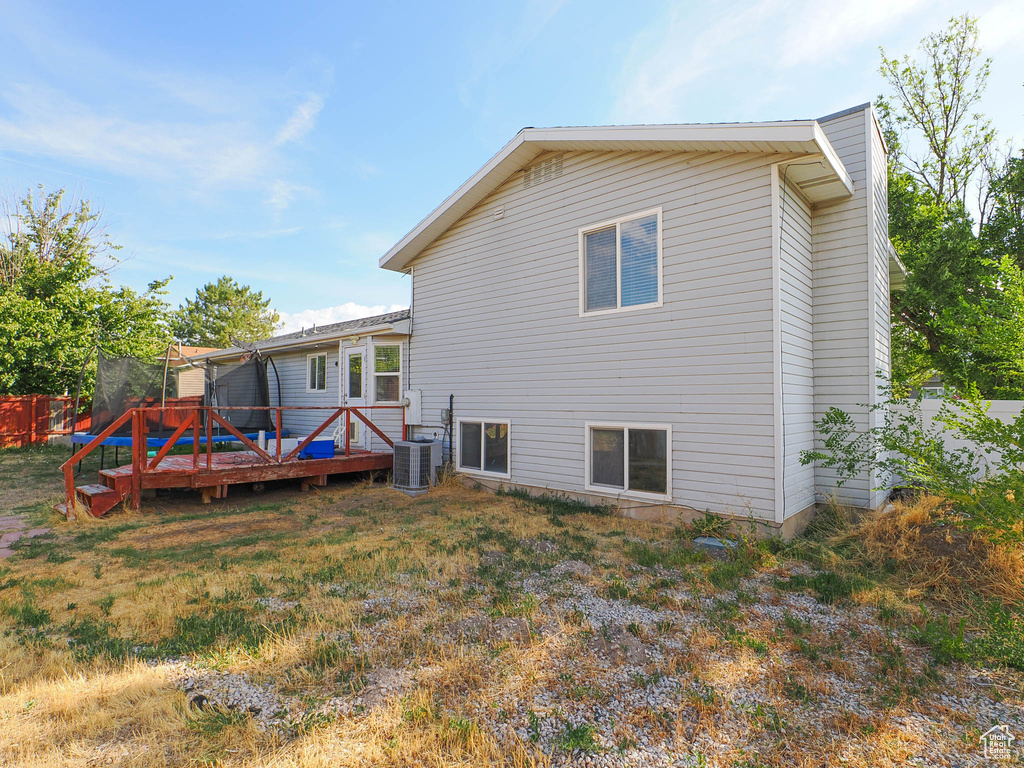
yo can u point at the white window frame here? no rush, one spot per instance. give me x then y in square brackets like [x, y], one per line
[327, 360]
[373, 370]
[607, 490]
[481, 420]
[617, 222]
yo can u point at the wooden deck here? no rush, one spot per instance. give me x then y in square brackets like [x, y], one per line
[212, 472]
[240, 467]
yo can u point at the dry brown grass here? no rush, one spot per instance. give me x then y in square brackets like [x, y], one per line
[55, 710]
[934, 558]
[375, 545]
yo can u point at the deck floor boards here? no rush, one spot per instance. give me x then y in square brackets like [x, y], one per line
[235, 467]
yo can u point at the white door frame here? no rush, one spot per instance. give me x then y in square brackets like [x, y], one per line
[358, 428]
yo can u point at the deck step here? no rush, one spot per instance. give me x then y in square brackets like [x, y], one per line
[99, 499]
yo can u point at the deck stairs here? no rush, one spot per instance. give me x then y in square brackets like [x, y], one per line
[99, 498]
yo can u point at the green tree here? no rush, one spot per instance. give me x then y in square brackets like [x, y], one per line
[959, 312]
[936, 97]
[1004, 229]
[223, 311]
[57, 303]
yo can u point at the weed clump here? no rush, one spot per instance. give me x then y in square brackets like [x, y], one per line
[556, 505]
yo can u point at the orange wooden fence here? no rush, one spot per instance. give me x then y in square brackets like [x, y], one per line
[28, 419]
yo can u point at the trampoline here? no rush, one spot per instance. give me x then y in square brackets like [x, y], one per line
[124, 383]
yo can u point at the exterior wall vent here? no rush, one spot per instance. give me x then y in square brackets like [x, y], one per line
[544, 171]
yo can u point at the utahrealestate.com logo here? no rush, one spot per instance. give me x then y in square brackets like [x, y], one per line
[997, 743]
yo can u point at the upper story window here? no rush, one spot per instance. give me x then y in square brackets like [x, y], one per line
[387, 373]
[316, 378]
[620, 264]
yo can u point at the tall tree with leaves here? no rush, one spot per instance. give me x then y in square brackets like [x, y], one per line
[56, 302]
[1004, 229]
[223, 311]
[958, 314]
[938, 96]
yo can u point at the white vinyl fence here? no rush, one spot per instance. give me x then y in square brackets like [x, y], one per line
[1004, 410]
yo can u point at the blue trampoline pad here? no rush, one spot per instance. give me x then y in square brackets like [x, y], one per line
[156, 442]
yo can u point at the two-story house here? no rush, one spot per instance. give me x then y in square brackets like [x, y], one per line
[653, 316]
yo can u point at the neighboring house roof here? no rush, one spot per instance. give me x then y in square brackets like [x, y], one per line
[308, 336]
[819, 182]
[181, 354]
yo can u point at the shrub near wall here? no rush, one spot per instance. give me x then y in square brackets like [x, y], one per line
[966, 450]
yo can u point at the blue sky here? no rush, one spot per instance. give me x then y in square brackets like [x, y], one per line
[289, 145]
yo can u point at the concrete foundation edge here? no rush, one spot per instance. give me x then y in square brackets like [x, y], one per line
[664, 514]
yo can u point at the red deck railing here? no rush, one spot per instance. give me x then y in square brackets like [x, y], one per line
[141, 418]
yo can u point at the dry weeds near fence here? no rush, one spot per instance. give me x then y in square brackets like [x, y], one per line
[354, 626]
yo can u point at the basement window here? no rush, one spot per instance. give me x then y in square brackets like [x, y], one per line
[316, 378]
[620, 264]
[484, 446]
[632, 459]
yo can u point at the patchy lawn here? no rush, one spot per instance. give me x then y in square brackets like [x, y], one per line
[356, 626]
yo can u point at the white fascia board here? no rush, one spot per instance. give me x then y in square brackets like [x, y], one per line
[897, 270]
[530, 142]
[306, 341]
[831, 158]
[799, 130]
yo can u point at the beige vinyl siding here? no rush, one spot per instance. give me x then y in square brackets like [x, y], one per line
[797, 327]
[497, 323]
[844, 315]
[880, 235]
[191, 381]
[291, 366]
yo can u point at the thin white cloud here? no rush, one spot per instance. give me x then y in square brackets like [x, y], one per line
[366, 170]
[50, 123]
[676, 53]
[301, 121]
[822, 31]
[199, 154]
[283, 193]
[494, 50]
[350, 310]
[669, 56]
[201, 131]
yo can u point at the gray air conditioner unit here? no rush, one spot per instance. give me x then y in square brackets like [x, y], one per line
[416, 463]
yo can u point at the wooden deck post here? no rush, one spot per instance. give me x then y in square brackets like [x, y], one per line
[209, 439]
[138, 456]
[277, 433]
[195, 439]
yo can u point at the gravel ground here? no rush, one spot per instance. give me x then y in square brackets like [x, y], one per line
[696, 680]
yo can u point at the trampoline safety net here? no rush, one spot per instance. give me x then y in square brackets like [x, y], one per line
[123, 383]
[240, 386]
